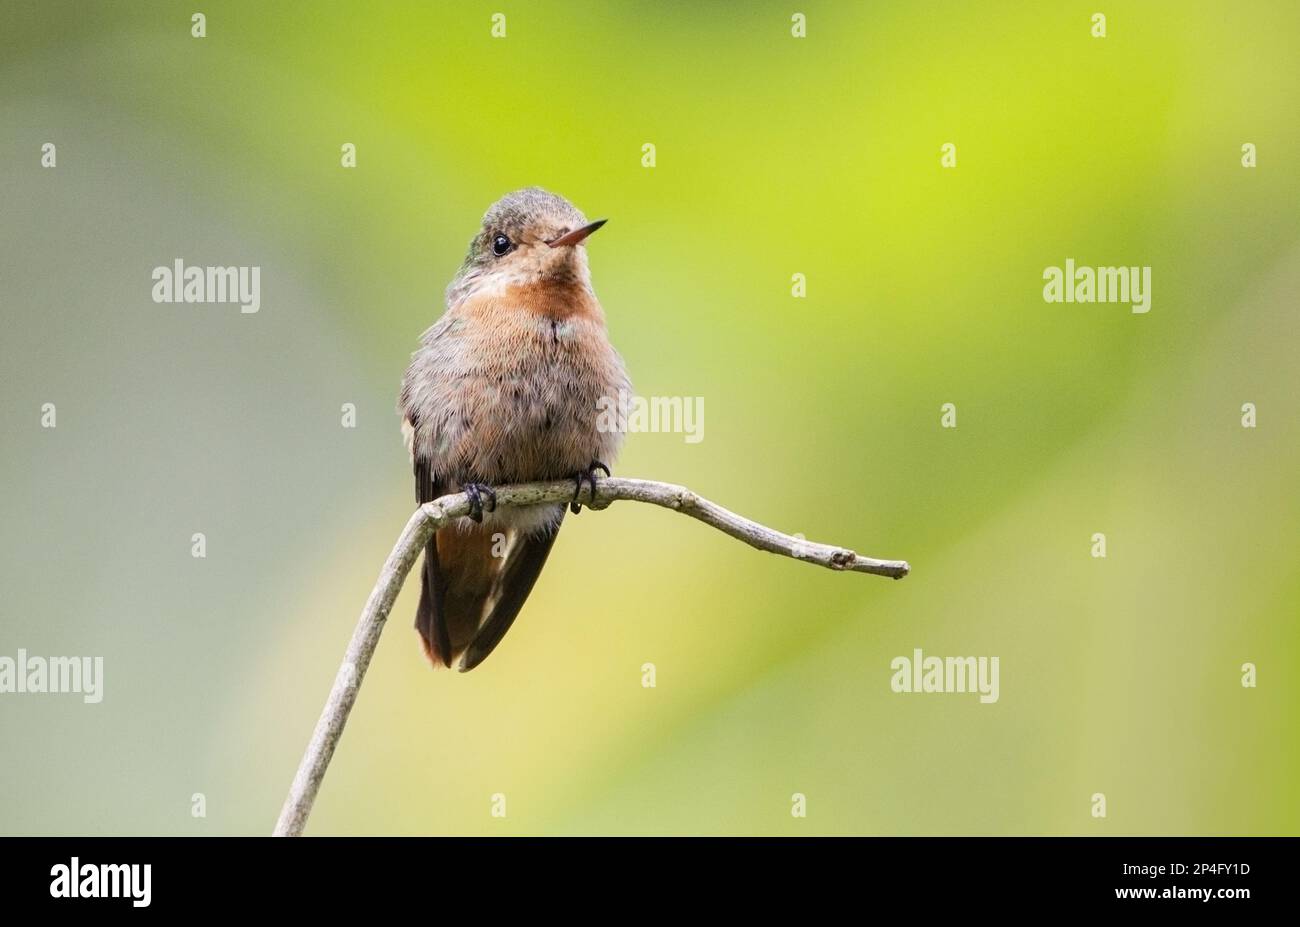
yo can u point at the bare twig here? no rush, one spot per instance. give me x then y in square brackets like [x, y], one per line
[433, 515]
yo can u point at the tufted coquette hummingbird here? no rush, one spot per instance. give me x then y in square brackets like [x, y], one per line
[504, 389]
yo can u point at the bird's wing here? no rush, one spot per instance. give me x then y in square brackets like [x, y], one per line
[429, 614]
[474, 580]
[484, 574]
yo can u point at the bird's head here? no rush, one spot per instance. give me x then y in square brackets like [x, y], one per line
[527, 237]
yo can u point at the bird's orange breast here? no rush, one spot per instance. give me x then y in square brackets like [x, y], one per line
[551, 299]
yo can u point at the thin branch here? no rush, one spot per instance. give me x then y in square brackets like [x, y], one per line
[430, 516]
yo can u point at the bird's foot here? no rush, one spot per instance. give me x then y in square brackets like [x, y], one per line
[586, 476]
[476, 492]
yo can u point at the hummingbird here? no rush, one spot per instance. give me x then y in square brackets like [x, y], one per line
[504, 388]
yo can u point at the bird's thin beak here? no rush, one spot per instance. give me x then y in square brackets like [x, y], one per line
[577, 235]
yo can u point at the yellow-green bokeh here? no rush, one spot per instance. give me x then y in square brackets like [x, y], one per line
[775, 155]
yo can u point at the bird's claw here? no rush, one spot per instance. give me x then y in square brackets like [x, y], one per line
[586, 476]
[476, 492]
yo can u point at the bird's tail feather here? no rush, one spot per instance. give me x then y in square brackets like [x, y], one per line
[473, 584]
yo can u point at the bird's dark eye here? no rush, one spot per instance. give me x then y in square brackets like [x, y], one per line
[500, 244]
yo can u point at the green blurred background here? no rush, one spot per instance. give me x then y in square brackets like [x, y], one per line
[775, 156]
